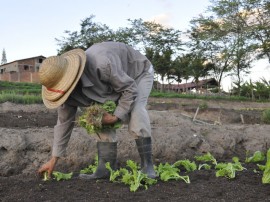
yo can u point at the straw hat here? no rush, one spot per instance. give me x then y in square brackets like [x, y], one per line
[59, 76]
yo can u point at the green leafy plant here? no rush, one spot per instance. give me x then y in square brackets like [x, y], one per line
[207, 158]
[114, 174]
[135, 178]
[91, 119]
[266, 172]
[261, 167]
[228, 170]
[58, 176]
[256, 157]
[187, 164]
[62, 176]
[91, 168]
[205, 166]
[168, 172]
[132, 177]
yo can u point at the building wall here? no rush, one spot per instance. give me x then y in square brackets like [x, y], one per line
[14, 76]
[11, 67]
[26, 65]
[22, 70]
[31, 77]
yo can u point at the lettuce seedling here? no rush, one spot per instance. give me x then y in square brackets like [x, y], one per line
[62, 176]
[261, 167]
[168, 172]
[206, 158]
[136, 178]
[91, 119]
[258, 156]
[91, 168]
[132, 177]
[187, 164]
[58, 176]
[228, 170]
[266, 172]
[205, 166]
[113, 173]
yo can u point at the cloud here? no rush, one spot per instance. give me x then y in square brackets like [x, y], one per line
[164, 19]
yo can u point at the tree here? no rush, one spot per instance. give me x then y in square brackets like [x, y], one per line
[223, 38]
[159, 43]
[91, 32]
[258, 23]
[4, 57]
[162, 41]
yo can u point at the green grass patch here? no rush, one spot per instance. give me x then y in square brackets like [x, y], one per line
[204, 97]
[7, 84]
[22, 93]
[20, 99]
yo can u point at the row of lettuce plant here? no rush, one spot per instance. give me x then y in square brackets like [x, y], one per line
[132, 176]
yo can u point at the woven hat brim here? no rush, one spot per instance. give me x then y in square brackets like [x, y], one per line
[70, 83]
[65, 81]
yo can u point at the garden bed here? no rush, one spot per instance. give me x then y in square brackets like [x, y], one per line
[34, 121]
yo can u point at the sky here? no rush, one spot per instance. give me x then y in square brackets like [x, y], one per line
[28, 28]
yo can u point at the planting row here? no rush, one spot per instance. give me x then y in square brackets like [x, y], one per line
[132, 176]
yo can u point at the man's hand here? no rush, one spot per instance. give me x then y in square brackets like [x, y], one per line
[109, 119]
[48, 167]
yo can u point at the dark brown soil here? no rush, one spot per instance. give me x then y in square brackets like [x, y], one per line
[27, 119]
[204, 186]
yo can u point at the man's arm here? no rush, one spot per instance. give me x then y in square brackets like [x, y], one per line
[62, 132]
[63, 129]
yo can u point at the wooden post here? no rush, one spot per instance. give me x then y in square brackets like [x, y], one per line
[196, 113]
[242, 118]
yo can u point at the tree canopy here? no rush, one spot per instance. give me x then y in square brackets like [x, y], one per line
[224, 41]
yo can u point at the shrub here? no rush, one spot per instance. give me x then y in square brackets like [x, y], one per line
[266, 116]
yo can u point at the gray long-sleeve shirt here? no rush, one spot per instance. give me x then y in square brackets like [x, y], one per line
[110, 73]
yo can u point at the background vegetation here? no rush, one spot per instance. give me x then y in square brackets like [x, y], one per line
[24, 93]
[224, 41]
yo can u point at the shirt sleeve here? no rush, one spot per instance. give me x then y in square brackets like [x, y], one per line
[63, 129]
[122, 83]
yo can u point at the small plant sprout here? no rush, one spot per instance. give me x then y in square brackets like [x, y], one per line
[168, 172]
[62, 176]
[204, 166]
[228, 170]
[206, 158]
[258, 156]
[57, 175]
[46, 176]
[132, 177]
[187, 164]
[91, 168]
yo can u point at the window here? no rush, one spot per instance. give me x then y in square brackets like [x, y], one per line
[40, 60]
[26, 67]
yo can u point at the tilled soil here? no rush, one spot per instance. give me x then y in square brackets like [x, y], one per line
[204, 186]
